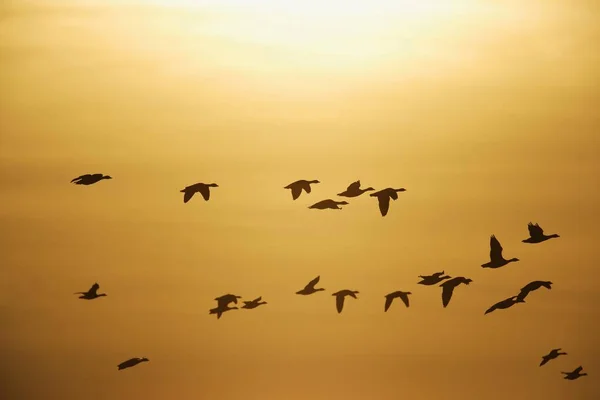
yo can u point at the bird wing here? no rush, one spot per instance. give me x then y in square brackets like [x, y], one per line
[204, 191]
[80, 177]
[492, 308]
[257, 299]
[353, 186]
[388, 302]
[535, 230]
[296, 191]
[495, 249]
[447, 291]
[312, 283]
[339, 303]
[306, 187]
[404, 298]
[394, 195]
[545, 359]
[187, 195]
[94, 289]
[578, 370]
[384, 204]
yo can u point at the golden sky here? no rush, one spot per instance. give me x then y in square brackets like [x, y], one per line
[486, 111]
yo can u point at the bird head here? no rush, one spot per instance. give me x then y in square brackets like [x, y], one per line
[213, 185]
[343, 202]
[401, 190]
[369, 189]
[107, 177]
[144, 359]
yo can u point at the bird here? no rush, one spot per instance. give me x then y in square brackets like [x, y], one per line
[328, 204]
[433, 279]
[203, 188]
[554, 353]
[89, 179]
[384, 196]
[389, 298]
[310, 287]
[132, 362]
[298, 186]
[448, 288]
[220, 309]
[496, 258]
[354, 190]
[226, 299]
[254, 303]
[340, 296]
[531, 286]
[506, 303]
[576, 373]
[536, 234]
[92, 293]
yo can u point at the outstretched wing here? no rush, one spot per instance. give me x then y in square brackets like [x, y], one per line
[447, 291]
[311, 284]
[384, 204]
[306, 187]
[388, 302]
[492, 308]
[545, 359]
[578, 370]
[80, 177]
[393, 194]
[535, 230]
[354, 186]
[404, 298]
[94, 289]
[495, 249]
[339, 303]
[256, 300]
[187, 195]
[204, 191]
[296, 191]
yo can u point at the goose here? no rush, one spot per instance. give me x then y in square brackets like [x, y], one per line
[89, 179]
[298, 186]
[448, 288]
[328, 204]
[132, 362]
[254, 303]
[220, 309]
[389, 298]
[506, 303]
[354, 190]
[310, 287]
[203, 188]
[496, 258]
[536, 234]
[384, 196]
[433, 279]
[576, 373]
[226, 299]
[340, 296]
[531, 286]
[554, 353]
[92, 293]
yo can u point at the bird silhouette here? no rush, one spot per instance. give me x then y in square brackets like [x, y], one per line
[531, 286]
[310, 287]
[433, 279]
[220, 309]
[389, 299]
[254, 303]
[506, 303]
[298, 186]
[203, 188]
[496, 258]
[132, 362]
[226, 299]
[536, 234]
[576, 373]
[554, 353]
[448, 288]
[89, 179]
[328, 204]
[340, 296]
[384, 196]
[92, 293]
[354, 190]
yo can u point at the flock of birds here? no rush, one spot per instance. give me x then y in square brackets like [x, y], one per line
[447, 283]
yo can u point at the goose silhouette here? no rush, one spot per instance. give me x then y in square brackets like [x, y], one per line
[554, 353]
[496, 258]
[202, 188]
[220, 309]
[575, 374]
[89, 179]
[536, 234]
[389, 299]
[328, 204]
[531, 286]
[310, 287]
[506, 303]
[354, 190]
[433, 279]
[92, 293]
[254, 303]
[449, 286]
[298, 186]
[340, 296]
[384, 196]
[132, 362]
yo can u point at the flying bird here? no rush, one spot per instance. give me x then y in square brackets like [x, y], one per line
[448, 288]
[340, 296]
[354, 190]
[536, 234]
[506, 303]
[254, 303]
[220, 309]
[531, 286]
[202, 188]
[389, 298]
[310, 287]
[496, 258]
[384, 196]
[89, 179]
[298, 186]
[226, 299]
[576, 373]
[433, 279]
[92, 293]
[328, 204]
[132, 362]
[554, 353]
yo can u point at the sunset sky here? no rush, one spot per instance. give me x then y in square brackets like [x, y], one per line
[487, 112]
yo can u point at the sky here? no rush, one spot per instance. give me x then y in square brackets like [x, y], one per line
[486, 112]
